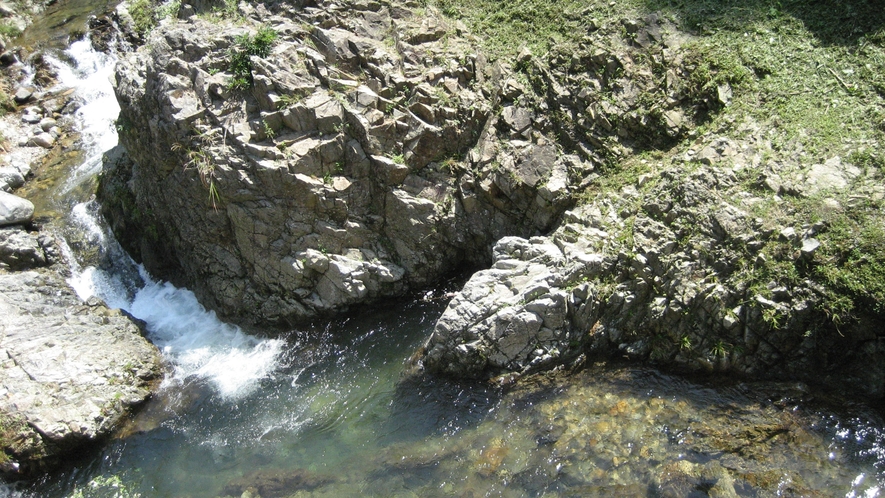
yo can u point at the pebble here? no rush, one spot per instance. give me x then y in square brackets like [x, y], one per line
[47, 123]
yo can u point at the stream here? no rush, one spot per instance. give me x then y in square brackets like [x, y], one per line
[327, 410]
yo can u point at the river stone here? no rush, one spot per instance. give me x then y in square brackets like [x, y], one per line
[70, 371]
[23, 95]
[10, 179]
[14, 209]
[45, 140]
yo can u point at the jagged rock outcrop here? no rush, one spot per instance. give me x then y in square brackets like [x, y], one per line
[339, 176]
[69, 371]
[674, 270]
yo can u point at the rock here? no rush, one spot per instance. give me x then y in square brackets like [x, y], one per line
[517, 118]
[45, 140]
[809, 246]
[831, 175]
[503, 316]
[71, 371]
[19, 250]
[14, 209]
[46, 124]
[10, 179]
[7, 58]
[23, 94]
[370, 175]
[6, 10]
[30, 117]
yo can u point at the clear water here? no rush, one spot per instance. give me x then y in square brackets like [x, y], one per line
[328, 410]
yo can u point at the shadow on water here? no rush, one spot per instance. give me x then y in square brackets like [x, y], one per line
[833, 23]
[425, 405]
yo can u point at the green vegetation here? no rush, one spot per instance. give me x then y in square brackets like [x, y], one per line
[9, 429]
[146, 14]
[817, 70]
[198, 157]
[240, 57]
[9, 30]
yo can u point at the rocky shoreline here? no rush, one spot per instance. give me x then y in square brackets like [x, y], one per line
[70, 372]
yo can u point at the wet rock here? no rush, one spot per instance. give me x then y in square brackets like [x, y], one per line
[14, 209]
[8, 58]
[70, 371]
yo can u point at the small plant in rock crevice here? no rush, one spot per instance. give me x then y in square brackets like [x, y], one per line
[240, 66]
[199, 158]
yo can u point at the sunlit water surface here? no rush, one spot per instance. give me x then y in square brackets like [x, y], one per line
[328, 411]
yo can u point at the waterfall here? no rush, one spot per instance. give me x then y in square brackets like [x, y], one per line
[196, 344]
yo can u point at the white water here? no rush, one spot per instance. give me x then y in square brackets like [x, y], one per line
[197, 345]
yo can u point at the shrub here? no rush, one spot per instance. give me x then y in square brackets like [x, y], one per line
[240, 56]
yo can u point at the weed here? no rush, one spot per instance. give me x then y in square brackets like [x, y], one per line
[685, 343]
[268, 130]
[719, 349]
[199, 158]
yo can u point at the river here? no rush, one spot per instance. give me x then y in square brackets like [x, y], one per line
[327, 410]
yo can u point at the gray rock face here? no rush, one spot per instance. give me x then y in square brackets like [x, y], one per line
[512, 317]
[314, 191]
[655, 274]
[14, 209]
[69, 371]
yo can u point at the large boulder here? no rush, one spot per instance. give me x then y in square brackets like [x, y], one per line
[69, 372]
